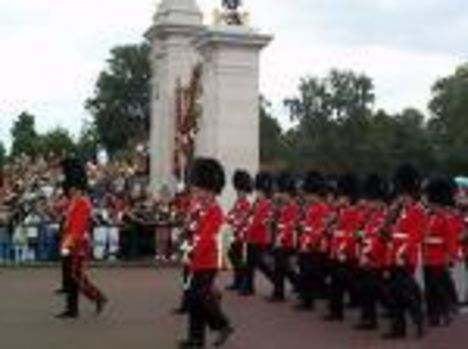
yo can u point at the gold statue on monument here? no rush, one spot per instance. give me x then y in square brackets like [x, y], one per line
[231, 14]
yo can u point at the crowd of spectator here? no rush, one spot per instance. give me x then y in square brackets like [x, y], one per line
[33, 204]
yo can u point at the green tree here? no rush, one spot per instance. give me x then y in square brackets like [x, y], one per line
[3, 154]
[449, 123]
[333, 114]
[120, 106]
[57, 141]
[272, 147]
[88, 141]
[24, 136]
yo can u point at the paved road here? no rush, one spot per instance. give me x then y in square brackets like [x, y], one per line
[139, 317]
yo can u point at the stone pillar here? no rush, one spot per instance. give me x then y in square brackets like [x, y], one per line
[229, 127]
[175, 25]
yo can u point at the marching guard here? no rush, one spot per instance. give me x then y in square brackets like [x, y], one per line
[207, 180]
[440, 248]
[237, 219]
[284, 236]
[372, 252]
[257, 234]
[75, 244]
[312, 228]
[343, 247]
[405, 295]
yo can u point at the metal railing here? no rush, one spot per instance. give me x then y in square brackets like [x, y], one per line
[36, 243]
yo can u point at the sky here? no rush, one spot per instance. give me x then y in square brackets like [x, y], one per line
[53, 50]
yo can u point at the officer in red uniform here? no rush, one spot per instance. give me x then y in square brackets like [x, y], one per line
[207, 180]
[237, 219]
[439, 252]
[372, 251]
[285, 236]
[312, 227]
[404, 248]
[342, 248]
[75, 244]
[258, 234]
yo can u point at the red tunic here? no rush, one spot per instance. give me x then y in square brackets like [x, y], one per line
[440, 239]
[406, 237]
[77, 224]
[373, 249]
[288, 217]
[257, 231]
[204, 255]
[314, 226]
[343, 244]
[237, 218]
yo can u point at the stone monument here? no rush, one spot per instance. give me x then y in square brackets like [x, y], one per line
[226, 56]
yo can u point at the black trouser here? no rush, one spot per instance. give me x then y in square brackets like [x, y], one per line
[452, 290]
[405, 297]
[255, 260]
[204, 306]
[236, 257]
[370, 294]
[185, 281]
[309, 278]
[438, 293]
[66, 272]
[338, 284]
[283, 270]
[78, 282]
[323, 272]
[353, 282]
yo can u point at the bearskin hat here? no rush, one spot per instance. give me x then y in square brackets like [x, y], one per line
[314, 183]
[407, 180]
[285, 183]
[348, 185]
[242, 181]
[208, 174]
[375, 187]
[75, 174]
[264, 182]
[440, 191]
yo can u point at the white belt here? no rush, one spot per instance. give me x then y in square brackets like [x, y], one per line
[434, 241]
[401, 236]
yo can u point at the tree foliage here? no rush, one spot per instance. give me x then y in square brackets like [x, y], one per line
[88, 141]
[120, 106]
[57, 141]
[24, 136]
[338, 129]
[448, 127]
[3, 155]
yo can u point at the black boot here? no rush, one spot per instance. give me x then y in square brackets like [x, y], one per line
[223, 336]
[190, 344]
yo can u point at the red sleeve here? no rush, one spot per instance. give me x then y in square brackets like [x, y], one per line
[78, 219]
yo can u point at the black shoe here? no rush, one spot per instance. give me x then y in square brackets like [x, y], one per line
[333, 317]
[275, 299]
[392, 335]
[420, 330]
[100, 305]
[303, 307]
[179, 311]
[366, 326]
[246, 293]
[223, 336]
[190, 344]
[232, 287]
[67, 315]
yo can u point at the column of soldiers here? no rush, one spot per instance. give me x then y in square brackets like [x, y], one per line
[351, 244]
